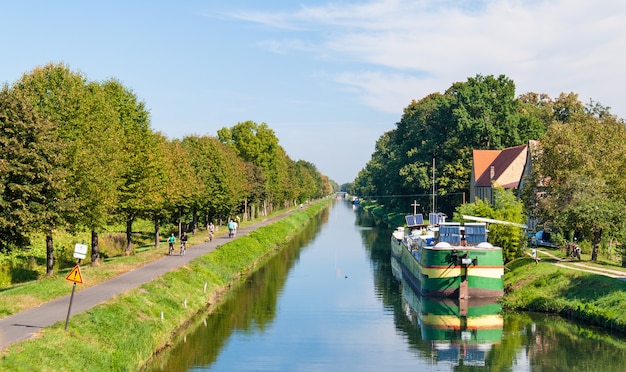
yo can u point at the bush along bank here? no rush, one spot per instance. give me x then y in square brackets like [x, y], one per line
[123, 333]
[595, 299]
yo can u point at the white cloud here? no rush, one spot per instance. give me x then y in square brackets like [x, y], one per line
[413, 48]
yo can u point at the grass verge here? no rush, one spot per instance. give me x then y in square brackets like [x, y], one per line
[123, 333]
[593, 298]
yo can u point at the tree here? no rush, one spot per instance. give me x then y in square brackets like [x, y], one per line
[97, 164]
[58, 95]
[582, 164]
[590, 210]
[222, 175]
[178, 182]
[32, 177]
[138, 192]
[258, 144]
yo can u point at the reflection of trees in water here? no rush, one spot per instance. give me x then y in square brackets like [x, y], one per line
[554, 344]
[251, 306]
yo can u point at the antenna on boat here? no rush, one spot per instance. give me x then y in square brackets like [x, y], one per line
[433, 206]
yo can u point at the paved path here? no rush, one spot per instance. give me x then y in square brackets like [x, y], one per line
[27, 323]
[581, 266]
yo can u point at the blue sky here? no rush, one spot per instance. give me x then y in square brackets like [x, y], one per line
[329, 77]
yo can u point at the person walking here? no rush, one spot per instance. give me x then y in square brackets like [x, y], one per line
[171, 240]
[211, 229]
[231, 228]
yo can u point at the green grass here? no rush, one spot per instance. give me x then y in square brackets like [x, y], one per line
[596, 299]
[99, 339]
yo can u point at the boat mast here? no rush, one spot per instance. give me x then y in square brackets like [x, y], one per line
[433, 205]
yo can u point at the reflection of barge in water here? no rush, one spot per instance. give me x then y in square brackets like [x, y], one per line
[447, 259]
[457, 331]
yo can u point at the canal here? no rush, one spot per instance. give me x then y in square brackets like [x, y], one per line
[330, 301]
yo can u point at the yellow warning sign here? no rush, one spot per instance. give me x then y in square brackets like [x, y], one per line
[75, 276]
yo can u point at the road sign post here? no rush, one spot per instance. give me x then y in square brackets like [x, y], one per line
[76, 277]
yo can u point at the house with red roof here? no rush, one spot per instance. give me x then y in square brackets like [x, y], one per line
[505, 168]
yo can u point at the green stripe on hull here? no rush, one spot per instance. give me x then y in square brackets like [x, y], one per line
[477, 336]
[434, 272]
[452, 283]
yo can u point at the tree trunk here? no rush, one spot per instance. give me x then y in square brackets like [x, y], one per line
[49, 255]
[129, 236]
[157, 231]
[597, 234]
[180, 222]
[95, 249]
[194, 229]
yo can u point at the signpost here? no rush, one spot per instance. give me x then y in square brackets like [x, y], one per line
[80, 252]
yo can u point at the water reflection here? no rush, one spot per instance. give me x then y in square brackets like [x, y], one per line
[454, 332]
[250, 308]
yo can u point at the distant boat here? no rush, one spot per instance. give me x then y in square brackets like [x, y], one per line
[355, 200]
[448, 259]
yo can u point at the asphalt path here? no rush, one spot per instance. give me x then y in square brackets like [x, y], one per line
[26, 324]
[581, 266]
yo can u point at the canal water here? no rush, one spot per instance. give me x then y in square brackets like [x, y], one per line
[333, 301]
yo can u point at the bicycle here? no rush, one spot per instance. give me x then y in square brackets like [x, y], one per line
[575, 251]
[171, 249]
[183, 247]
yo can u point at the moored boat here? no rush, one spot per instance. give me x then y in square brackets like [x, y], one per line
[448, 259]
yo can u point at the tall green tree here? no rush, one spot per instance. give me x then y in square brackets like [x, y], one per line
[59, 96]
[32, 176]
[138, 192]
[581, 167]
[97, 164]
[258, 144]
[177, 180]
[222, 175]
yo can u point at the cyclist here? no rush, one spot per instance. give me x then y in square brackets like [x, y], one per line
[171, 240]
[183, 243]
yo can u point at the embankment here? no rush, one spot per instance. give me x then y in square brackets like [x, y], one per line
[545, 287]
[123, 333]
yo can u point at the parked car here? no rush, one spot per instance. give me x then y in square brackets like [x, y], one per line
[542, 238]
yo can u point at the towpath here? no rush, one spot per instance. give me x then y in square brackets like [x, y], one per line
[581, 266]
[26, 324]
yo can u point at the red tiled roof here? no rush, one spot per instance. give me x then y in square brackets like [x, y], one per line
[482, 160]
[500, 165]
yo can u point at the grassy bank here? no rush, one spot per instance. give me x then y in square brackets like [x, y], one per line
[123, 333]
[593, 298]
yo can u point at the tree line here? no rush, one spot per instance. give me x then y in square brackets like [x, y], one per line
[577, 182]
[78, 155]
